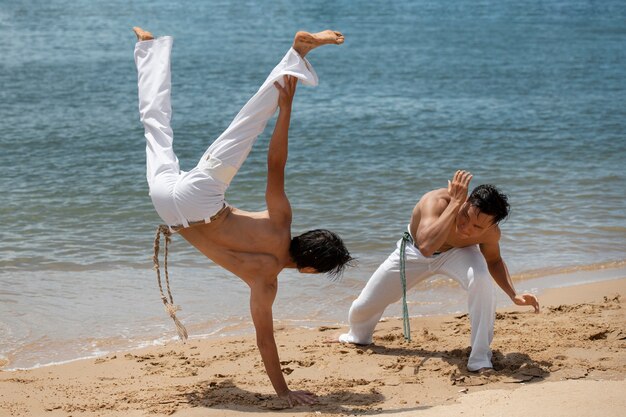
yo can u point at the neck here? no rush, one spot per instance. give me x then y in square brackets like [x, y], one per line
[290, 264]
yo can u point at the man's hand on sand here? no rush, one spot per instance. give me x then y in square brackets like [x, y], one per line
[457, 188]
[286, 92]
[527, 300]
[299, 397]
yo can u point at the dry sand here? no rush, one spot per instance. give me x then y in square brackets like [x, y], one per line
[570, 360]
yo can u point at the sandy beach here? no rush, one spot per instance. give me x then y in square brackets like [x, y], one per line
[526, 95]
[568, 360]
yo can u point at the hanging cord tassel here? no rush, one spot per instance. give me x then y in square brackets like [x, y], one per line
[170, 308]
[406, 237]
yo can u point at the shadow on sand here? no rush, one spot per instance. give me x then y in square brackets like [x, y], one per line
[226, 395]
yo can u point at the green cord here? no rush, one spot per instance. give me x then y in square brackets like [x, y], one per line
[406, 237]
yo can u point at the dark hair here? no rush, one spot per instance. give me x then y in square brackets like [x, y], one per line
[489, 200]
[322, 250]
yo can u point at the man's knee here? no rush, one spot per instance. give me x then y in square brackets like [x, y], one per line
[217, 169]
[480, 286]
[478, 275]
[477, 270]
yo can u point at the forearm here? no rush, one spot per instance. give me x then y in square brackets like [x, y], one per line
[279, 144]
[433, 236]
[271, 361]
[500, 274]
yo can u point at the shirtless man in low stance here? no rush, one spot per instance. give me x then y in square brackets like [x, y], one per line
[453, 235]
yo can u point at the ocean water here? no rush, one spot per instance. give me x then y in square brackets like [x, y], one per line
[528, 95]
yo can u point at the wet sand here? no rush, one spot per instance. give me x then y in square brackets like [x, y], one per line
[568, 360]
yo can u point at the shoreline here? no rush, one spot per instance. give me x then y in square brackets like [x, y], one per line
[527, 282]
[571, 269]
[575, 347]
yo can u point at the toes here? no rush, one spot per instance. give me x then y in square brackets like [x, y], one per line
[142, 35]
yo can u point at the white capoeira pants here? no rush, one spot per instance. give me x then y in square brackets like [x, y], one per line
[181, 197]
[465, 265]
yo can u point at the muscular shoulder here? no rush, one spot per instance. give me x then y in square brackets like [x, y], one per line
[490, 244]
[492, 235]
[433, 202]
[430, 206]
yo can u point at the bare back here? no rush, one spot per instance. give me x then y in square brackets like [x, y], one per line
[248, 244]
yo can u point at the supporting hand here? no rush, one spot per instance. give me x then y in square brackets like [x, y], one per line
[457, 188]
[298, 397]
[527, 300]
[286, 92]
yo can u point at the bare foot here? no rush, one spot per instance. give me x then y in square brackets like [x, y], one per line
[304, 42]
[142, 35]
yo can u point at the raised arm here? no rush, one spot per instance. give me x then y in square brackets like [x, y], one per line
[277, 202]
[261, 300]
[500, 274]
[438, 215]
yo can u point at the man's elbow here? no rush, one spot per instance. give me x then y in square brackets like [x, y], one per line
[495, 263]
[276, 163]
[425, 250]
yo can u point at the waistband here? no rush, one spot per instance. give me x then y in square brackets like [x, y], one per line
[214, 217]
[407, 236]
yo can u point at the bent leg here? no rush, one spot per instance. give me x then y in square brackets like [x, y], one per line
[154, 87]
[382, 289]
[225, 156]
[481, 306]
[468, 267]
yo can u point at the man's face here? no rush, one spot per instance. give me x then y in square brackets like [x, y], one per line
[470, 222]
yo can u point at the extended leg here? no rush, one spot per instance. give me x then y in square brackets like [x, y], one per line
[304, 42]
[152, 58]
[382, 289]
[228, 152]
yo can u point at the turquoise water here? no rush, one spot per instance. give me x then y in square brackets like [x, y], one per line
[528, 95]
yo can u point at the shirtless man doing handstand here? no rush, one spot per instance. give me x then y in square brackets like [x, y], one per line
[255, 246]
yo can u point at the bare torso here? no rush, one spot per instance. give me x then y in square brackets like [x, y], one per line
[438, 200]
[248, 244]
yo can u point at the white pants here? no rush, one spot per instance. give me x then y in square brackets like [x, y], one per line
[465, 265]
[181, 197]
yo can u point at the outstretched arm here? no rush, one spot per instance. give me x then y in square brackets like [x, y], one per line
[500, 274]
[261, 299]
[277, 202]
